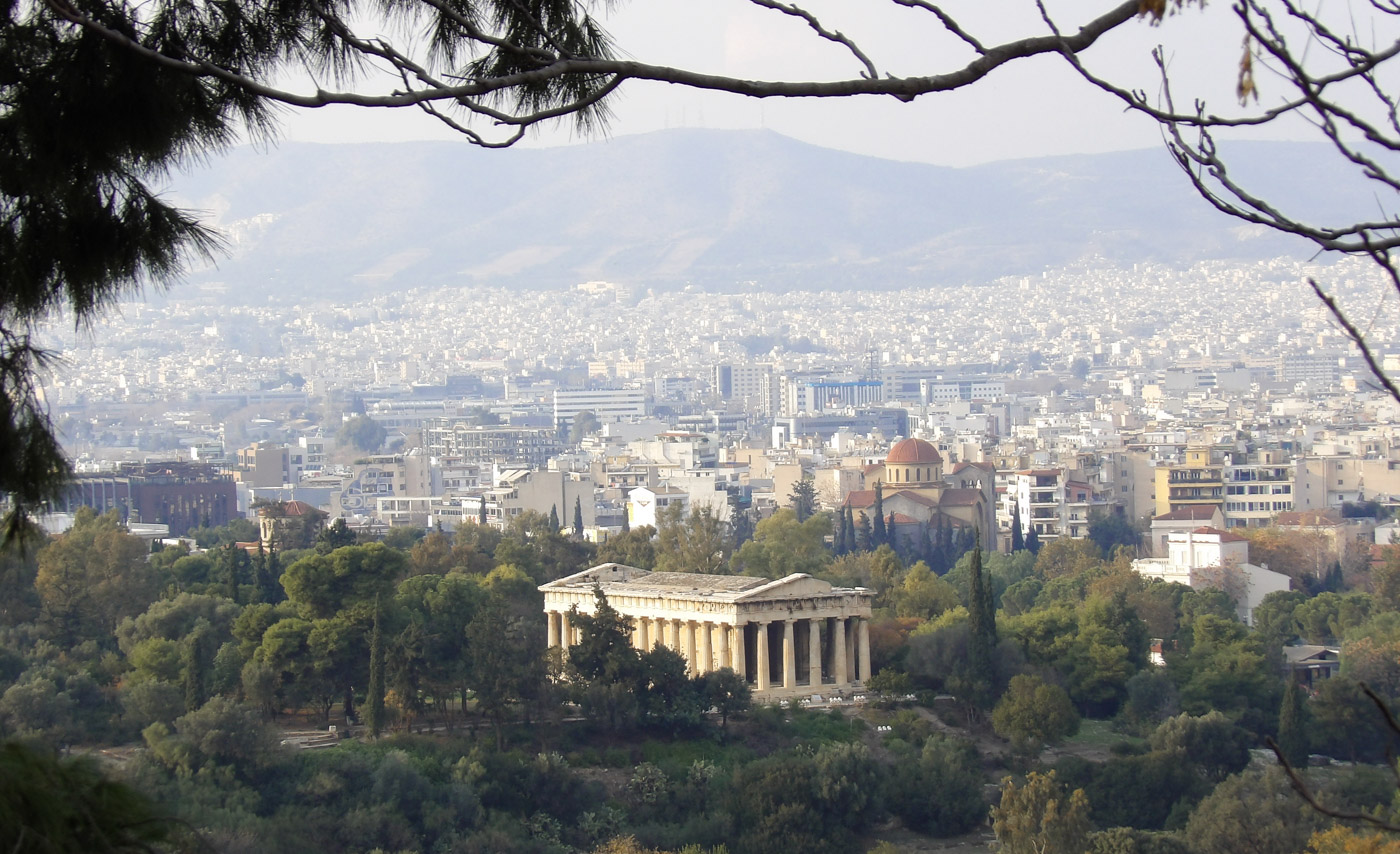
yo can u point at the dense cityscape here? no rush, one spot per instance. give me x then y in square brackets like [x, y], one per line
[721, 489]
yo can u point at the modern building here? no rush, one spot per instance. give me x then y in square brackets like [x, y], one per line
[606, 404]
[794, 637]
[181, 495]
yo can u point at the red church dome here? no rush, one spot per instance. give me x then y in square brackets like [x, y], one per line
[913, 452]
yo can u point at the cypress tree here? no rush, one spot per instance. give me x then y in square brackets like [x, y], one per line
[889, 532]
[982, 632]
[578, 517]
[838, 539]
[481, 512]
[374, 703]
[193, 667]
[863, 533]
[626, 520]
[879, 539]
[554, 518]
[1292, 726]
[1033, 541]
[850, 533]
[1018, 537]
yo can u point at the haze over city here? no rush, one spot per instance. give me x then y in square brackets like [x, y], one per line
[859, 427]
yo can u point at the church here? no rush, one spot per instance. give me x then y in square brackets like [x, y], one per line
[918, 492]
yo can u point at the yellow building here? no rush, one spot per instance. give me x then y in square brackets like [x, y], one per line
[1199, 482]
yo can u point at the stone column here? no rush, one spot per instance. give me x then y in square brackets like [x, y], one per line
[688, 633]
[761, 650]
[707, 655]
[566, 638]
[553, 618]
[851, 649]
[724, 659]
[643, 643]
[741, 666]
[814, 654]
[838, 650]
[863, 652]
[789, 656]
[673, 634]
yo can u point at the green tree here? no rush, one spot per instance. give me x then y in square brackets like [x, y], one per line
[693, 542]
[982, 631]
[1032, 714]
[879, 536]
[92, 576]
[1210, 741]
[727, 693]
[633, 548]
[1293, 726]
[603, 662]
[1108, 531]
[578, 517]
[781, 546]
[1040, 817]
[584, 425]
[505, 667]
[938, 790]
[374, 696]
[803, 499]
[56, 805]
[1018, 538]
[362, 433]
[320, 586]
[334, 536]
[923, 594]
[1253, 812]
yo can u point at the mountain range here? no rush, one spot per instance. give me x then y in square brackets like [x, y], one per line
[716, 210]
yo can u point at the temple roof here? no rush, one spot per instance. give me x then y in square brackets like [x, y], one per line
[616, 579]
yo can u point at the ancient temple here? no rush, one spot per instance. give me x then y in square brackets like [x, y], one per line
[793, 637]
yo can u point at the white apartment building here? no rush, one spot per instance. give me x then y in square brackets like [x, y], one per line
[606, 404]
[1258, 488]
[1211, 558]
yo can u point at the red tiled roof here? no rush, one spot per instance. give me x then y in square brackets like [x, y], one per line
[1225, 536]
[913, 452]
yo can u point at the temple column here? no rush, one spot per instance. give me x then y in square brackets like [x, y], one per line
[553, 619]
[724, 659]
[673, 635]
[761, 650]
[643, 634]
[814, 654]
[863, 652]
[566, 638]
[851, 649]
[741, 666]
[838, 649]
[687, 649]
[707, 655]
[789, 656]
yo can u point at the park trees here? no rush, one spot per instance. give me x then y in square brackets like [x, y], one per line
[92, 576]
[690, 542]
[782, 545]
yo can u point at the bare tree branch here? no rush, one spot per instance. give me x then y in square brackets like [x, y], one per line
[422, 87]
[830, 35]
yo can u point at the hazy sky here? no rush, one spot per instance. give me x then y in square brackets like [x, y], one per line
[1029, 108]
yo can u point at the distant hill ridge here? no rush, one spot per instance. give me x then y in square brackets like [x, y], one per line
[710, 208]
